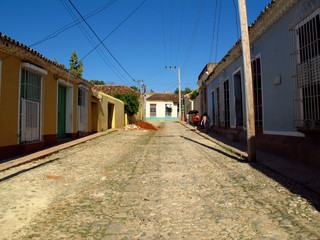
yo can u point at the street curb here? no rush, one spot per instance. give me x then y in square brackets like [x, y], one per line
[18, 161]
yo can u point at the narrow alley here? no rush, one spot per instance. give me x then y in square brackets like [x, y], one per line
[170, 183]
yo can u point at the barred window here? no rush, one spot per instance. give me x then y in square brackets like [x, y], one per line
[82, 118]
[30, 106]
[257, 91]
[153, 109]
[306, 59]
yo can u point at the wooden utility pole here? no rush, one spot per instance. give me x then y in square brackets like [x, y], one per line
[248, 80]
[180, 107]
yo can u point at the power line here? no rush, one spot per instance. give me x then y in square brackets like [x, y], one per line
[74, 23]
[89, 38]
[101, 41]
[181, 24]
[214, 29]
[163, 32]
[114, 29]
[218, 32]
[236, 11]
[194, 34]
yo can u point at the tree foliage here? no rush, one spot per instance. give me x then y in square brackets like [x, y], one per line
[97, 82]
[131, 102]
[75, 66]
[186, 91]
[135, 88]
[194, 95]
[62, 65]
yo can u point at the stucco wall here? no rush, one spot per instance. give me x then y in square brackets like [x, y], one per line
[273, 48]
[161, 110]
[118, 112]
[10, 72]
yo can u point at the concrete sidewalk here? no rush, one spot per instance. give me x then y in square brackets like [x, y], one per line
[20, 160]
[297, 171]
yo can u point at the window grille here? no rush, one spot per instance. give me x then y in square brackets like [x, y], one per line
[30, 106]
[82, 119]
[305, 55]
[226, 121]
[168, 110]
[218, 120]
[153, 109]
[257, 91]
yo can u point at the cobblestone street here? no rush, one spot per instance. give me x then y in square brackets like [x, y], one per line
[166, 184]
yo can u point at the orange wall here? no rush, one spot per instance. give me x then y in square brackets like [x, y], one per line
[49, 107]
[9, 100]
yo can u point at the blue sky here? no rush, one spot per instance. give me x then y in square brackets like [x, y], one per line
[160, 33]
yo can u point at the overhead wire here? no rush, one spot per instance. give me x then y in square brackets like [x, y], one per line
[214, 28]
[180, 32]
[236, 14]
[101, 41]
[194, 33]
[114, 29]
[163, 33]
[91, 41]
[74, 23]
[218, 32]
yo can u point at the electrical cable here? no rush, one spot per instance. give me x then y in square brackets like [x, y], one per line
[114, 30]
[218, 32]
[214, 29]
[101, 41]
[180, 32]
[74, 23]
[89, 38]
[237, 25]
[194, 34]
[163, 33]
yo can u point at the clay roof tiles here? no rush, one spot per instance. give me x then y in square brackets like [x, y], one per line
[113, 90]
[164, 97]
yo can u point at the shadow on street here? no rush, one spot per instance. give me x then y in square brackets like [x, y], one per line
[26, 170]
[293, 186]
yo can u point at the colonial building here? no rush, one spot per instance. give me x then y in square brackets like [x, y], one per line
[285, 57]
[40, 101]
[162, 106]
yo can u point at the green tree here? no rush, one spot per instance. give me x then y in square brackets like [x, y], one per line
[75, 66]
[151, 90]
[62, 65]
[131, 102]
[176, 91]
[194, 94]
[97, 82]
[187, 90]
[135, 88]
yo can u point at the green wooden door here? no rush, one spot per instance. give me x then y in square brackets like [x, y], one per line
[61, 111]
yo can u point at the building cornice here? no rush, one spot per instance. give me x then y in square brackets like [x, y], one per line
[267, 18]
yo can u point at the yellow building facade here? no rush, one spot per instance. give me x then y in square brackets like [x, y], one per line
[110, 112]
[40, 101]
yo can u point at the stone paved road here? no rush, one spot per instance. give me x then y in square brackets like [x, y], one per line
[166, 184]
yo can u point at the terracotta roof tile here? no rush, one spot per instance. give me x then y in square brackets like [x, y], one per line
[113, 90]
[164, 97]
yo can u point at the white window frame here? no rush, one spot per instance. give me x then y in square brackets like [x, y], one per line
[261, 72]
[69, 105]
[296, 27]
[36, 70]
[234, 120]
[82, 111]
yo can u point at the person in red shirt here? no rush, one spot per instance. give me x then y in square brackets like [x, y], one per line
[196, 121]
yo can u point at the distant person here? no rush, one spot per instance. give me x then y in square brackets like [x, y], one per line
[196, 121]
[188, 118]
[205, 122]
